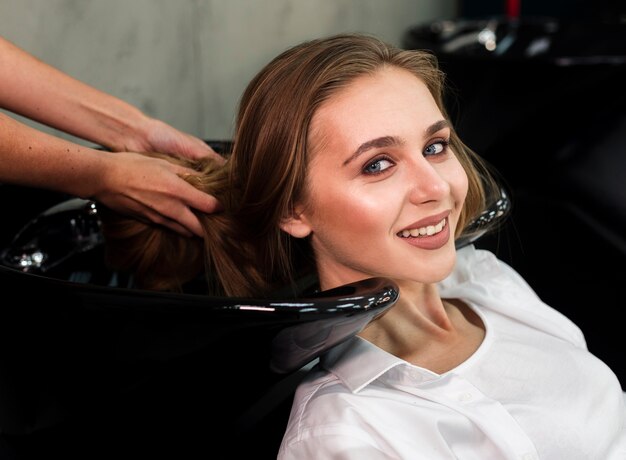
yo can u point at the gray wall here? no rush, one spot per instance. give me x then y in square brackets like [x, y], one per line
[188, 61]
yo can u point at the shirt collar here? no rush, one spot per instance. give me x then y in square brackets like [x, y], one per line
[357, 363]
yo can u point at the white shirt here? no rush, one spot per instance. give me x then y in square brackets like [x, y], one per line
[531, 390]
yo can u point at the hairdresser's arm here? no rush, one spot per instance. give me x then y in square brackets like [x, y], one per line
[129, 183]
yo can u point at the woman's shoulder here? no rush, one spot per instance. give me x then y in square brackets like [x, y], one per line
[473, 263]
[319, 389]
[319, 402]
[487, 282]
[480, 268]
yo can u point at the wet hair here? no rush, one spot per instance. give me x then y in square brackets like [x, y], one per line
[245, 251]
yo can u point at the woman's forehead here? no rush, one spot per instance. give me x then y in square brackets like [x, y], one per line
[386, 86]
[381, 104]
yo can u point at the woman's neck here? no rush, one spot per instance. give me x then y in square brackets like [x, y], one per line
[426, 330]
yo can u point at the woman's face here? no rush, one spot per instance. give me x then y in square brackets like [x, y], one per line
[384, 190]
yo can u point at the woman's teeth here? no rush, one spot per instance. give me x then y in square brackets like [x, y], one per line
[423, 231]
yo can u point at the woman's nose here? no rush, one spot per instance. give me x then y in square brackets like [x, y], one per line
[427, 183]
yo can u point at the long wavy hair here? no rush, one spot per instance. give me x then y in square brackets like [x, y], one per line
[244, 251]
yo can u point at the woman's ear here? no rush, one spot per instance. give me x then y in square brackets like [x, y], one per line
[296, 225]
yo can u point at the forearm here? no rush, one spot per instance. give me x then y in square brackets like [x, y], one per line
[38, 91]
[32, 158]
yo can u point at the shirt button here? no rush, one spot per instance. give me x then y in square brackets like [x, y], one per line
[465, 397]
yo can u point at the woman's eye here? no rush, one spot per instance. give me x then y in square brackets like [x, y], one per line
[377, 166]
[436, 148]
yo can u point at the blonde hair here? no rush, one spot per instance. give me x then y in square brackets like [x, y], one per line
[246, 252]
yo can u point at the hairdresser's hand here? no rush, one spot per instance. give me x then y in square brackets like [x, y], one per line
[129, 183]
[158, 136]
[151, 189]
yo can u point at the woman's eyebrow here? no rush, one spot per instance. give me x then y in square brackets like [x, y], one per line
[392, 141]
[437, 126]
[379, 142]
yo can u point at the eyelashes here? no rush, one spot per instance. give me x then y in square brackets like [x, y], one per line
[437, 148]
[383, 162]
[378, 165]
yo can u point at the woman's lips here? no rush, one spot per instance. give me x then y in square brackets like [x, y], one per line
[426, 230]
[427, 236]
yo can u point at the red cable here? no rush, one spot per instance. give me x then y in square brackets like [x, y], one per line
[513, 8]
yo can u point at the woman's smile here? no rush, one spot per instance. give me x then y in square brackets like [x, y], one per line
[427, 236]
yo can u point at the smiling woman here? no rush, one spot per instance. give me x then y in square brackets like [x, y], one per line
[345, 164]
